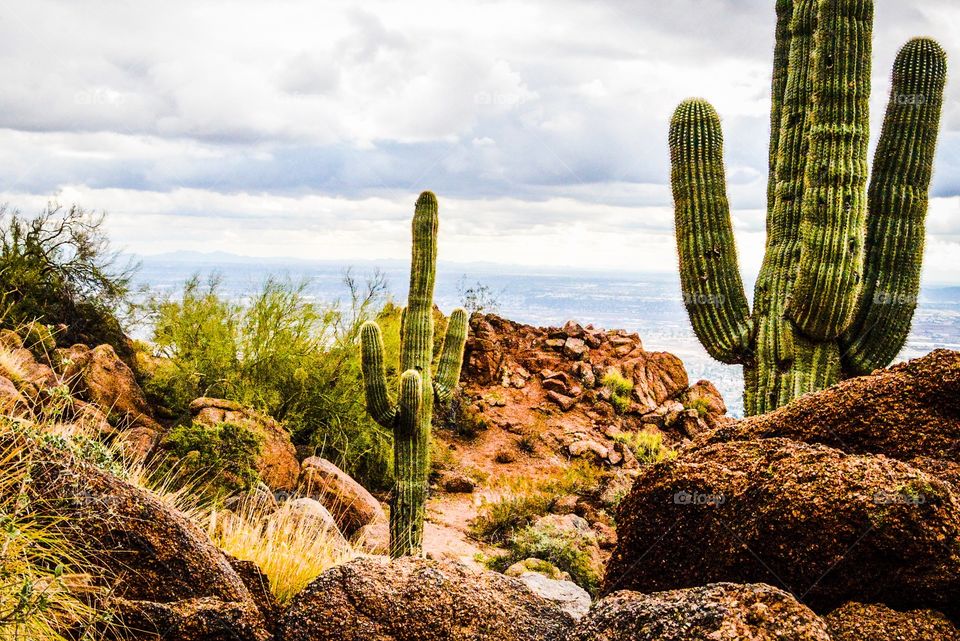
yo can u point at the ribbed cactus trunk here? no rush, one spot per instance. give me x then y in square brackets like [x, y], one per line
[840, 276]
[410, 416]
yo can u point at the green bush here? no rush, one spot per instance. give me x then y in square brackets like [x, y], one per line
[568, 551]
[620, 389]
[57, 268]
[220, 457]
[647, 446]
[284, 355]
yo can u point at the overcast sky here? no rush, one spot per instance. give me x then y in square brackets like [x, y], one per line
[307, 129]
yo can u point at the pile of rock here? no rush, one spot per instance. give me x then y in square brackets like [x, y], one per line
[846, 499]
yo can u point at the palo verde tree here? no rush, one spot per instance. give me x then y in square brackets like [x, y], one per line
[838, 286]
[409, 416]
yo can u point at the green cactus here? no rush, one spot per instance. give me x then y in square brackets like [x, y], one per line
[840, 276]
[409, 417]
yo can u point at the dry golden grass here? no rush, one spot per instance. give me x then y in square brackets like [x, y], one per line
[292, 551]
[12, 365]
[289, 549]
[41, 598]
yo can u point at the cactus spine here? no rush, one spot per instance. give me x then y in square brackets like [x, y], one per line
[410, 415]
[841, 271]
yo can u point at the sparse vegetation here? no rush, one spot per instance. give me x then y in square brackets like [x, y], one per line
[646, 446]
[568, 551]
[620, 389]
[702, 406]
[44, 594]
[478, 298]
[523, 500]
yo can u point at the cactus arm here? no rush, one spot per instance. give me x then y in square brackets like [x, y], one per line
[833, 211]
[712, 288]
[781, 61]
[409, 494]
[898, 195]
[379, 404]
[451, 356]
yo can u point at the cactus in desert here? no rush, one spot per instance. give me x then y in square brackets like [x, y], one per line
[409, 416]
[841, 270]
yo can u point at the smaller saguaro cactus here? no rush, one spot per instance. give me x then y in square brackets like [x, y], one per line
[409, 416]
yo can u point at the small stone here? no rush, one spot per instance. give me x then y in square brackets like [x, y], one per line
[587, 448]
[555, 384]
[565, 402]
[455, 482]
[575, 348]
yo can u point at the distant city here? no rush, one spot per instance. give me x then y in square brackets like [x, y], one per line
[649, 304]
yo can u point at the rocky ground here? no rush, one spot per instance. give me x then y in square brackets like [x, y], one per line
[836, 517]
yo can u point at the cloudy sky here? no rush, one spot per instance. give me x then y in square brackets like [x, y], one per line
[306, 129]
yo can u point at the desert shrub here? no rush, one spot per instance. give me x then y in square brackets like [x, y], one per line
[285, 355]
[221, 457]
[478, 297]
[460, 417]
[522, 501]
[58, 268]
[647, 446]
[620, 389]
[568, 551]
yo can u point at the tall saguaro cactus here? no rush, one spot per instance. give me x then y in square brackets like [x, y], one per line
[409, 416]
[838, 285]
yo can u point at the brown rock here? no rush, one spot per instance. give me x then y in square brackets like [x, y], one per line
[905, 411]
[165, 573]
[829, 527]
[575, 348]
[565, 402]
[587, 448]
[555, 385]
[705, 395]
[455, 482]
[350, 503]
[11, 401]
[277, 463]
[413, 599]
[720, 612]
[861, 622]
[656, 376]
[99, 376]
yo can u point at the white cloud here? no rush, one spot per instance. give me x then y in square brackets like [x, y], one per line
[542, 125]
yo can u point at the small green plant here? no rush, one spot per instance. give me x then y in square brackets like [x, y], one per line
[221, 456]
[620, 389]
[646, 446]
[568, 551]
[702, 406]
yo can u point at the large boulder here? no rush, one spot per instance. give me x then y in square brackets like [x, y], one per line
[351, 504]
[277, 462]
[99, 376]
[906, 411]
[656, 376]
[875, 622]
[827, 526]
[414, 599]
[163, 574]
[719, 612]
